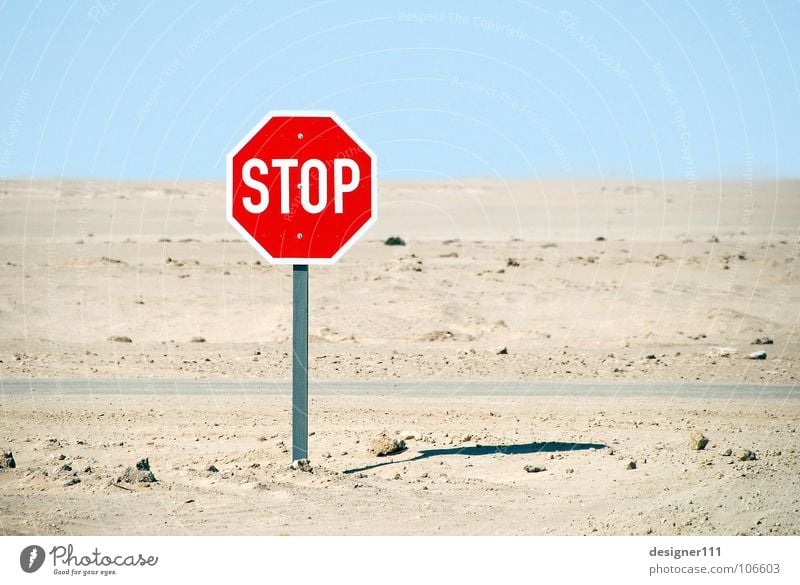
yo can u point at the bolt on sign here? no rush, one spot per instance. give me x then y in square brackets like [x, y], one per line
[301, 188]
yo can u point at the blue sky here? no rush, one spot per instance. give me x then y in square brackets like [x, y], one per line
[447, 89]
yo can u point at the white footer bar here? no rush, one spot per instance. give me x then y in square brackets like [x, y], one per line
[390, 559]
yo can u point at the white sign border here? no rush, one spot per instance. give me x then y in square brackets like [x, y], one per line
[229, 187]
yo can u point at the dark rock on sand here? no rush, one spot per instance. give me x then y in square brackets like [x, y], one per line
[139, 474]
[697, 441]
[7, 461]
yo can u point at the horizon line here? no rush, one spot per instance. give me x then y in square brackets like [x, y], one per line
[609, 178]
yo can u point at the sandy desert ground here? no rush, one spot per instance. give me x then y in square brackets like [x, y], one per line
[585, 282]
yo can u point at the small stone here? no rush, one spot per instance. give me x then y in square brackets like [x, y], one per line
[651, 356]
[383, 445]
[394, 241]
[7, 461]
[762, 341]
[697, 441]
[467, 438]
[212, 469]
[139, 474]
[326, 455]
[744, 455]
[409, 435]
[302, 465]
[502, 351]
[533, 469]
[120, 339]
[197, 339]
[726, 453]
[511, 262]
[757, 355]
[631, 465]
[72, 481]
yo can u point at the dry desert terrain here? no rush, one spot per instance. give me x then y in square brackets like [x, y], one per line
[573, 326]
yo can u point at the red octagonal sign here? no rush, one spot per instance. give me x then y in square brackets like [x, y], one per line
[302, 187]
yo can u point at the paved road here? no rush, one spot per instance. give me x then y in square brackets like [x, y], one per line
[18, 387]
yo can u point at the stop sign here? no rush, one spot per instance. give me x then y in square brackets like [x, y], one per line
[302, 187]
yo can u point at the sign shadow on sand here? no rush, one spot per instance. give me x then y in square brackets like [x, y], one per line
[477, 450]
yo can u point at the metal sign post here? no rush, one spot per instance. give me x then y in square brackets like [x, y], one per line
[301, 173]
[300, 362]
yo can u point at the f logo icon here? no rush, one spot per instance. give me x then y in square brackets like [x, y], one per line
[31, 558]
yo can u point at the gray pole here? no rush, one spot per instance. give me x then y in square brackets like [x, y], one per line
[300, 363]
